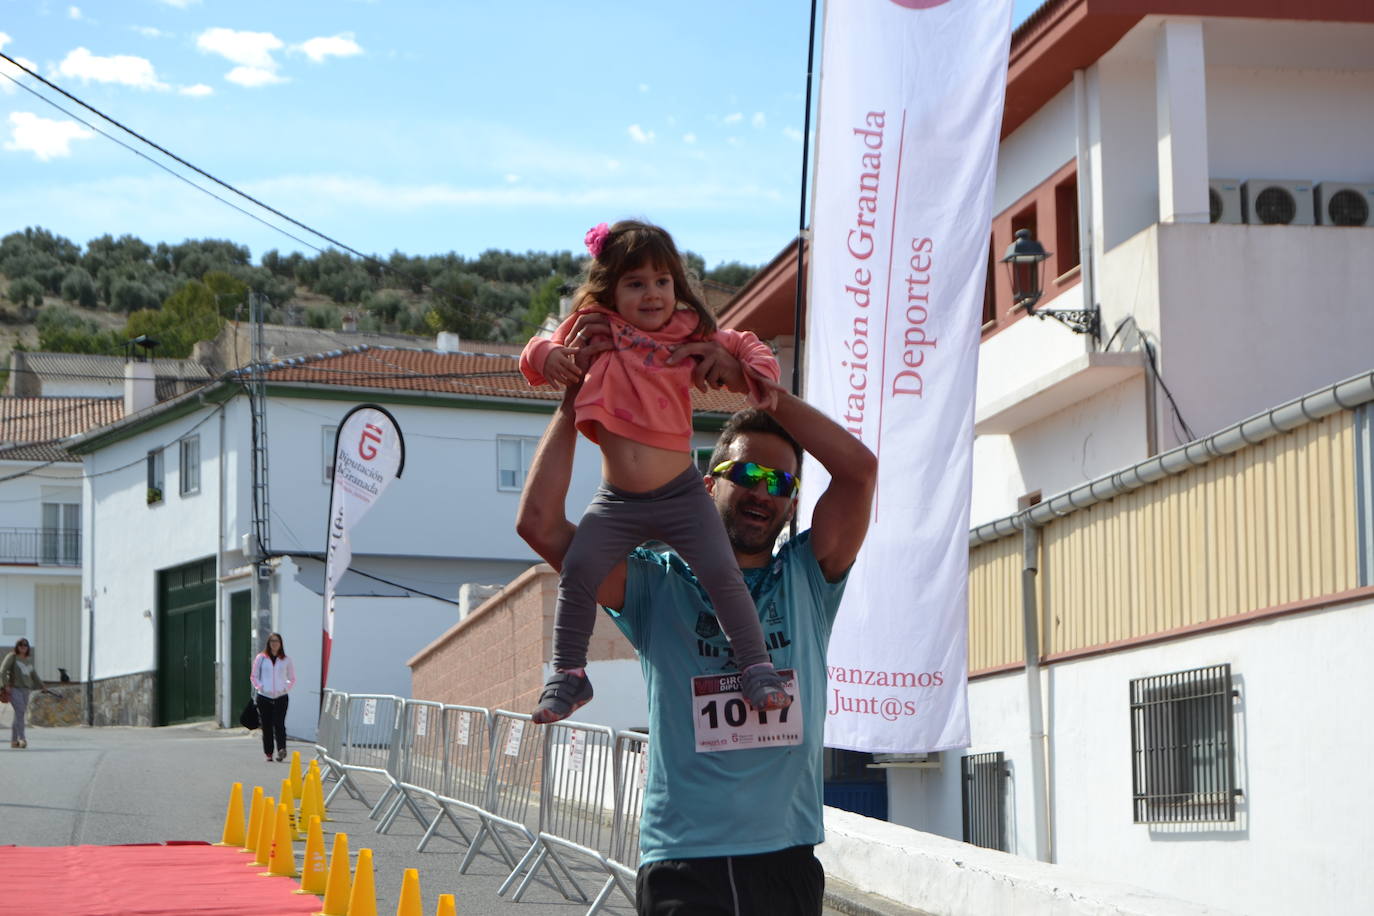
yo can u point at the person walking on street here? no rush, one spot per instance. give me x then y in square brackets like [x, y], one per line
[18, 676]
[273, 677]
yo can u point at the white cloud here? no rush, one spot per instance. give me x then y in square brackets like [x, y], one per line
[689, 137]
[199, 89]
[640, 135]
[124, 69]
[4, 40]
[317, 49]
[253, 77]
[792, 133]
[643, 87]
[757, 120]
[512, 179]
[181, 4]
[73, 12]
[9, 69]
[247, 49]
[734, 118]
[44, 138]
[148, 31]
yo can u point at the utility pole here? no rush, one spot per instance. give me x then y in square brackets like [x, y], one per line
[262, 508]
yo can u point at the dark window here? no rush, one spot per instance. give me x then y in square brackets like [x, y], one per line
[1183, 747]
[990, 285]
[1066, 223]
[985, 800]
[155, 476]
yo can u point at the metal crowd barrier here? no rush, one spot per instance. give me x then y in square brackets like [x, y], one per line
[578, 766]
[550, 791]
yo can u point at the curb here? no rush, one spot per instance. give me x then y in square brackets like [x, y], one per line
[843, 897]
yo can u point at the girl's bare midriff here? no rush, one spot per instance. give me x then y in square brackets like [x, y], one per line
[636, 467]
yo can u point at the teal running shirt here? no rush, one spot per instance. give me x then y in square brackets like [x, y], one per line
[736, 802]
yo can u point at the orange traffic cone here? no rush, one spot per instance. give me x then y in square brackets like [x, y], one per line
[288, 798]
[362, 897]
[314, 868]
[267, 825]
[282, 860]
[250, 839]
[336, 892]
[309, 804]
[448, 906]
[232, 835]
[296, 782]
[410, 904]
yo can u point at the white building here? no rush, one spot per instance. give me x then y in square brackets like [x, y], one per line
[1205, 182]
[40, 526]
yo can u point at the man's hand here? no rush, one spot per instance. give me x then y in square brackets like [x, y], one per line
[716, 367]
[589, 336]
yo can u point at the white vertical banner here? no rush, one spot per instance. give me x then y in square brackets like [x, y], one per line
[910, 114]
[368, 454]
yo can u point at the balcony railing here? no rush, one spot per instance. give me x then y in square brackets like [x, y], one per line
[40, 546]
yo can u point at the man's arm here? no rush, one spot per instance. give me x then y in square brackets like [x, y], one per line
[839, 522]
[541, 520]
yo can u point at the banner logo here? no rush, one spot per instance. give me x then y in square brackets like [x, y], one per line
[369, 440]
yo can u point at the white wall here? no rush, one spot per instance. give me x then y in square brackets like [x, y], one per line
[1252, 316]
[126, 540]
[21, 506]
[1298, 845]
[1036, 150]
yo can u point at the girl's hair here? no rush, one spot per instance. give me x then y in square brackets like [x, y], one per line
[631, 244]
[281, 647]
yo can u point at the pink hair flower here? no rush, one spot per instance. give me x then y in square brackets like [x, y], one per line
[595, 239]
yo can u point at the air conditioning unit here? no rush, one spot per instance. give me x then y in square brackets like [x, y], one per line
[1342, 203]
[1278, 202]
[1224, 194]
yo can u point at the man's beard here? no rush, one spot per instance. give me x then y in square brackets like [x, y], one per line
[745, 536]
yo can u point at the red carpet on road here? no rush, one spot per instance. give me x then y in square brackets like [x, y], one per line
[190, 879]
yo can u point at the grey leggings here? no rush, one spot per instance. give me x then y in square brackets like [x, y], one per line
[19, 699]
[679, 513]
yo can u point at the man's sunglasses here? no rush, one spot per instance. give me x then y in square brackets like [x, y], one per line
[747, 474]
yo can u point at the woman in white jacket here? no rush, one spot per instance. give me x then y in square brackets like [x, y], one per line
[273, 676]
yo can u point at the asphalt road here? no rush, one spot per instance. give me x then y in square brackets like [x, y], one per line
[105, 786]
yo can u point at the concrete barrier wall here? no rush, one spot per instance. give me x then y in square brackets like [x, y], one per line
[944, 877]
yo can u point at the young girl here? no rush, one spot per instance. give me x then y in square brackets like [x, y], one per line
[639, 411]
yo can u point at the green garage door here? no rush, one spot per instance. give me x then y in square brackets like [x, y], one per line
[186, 643]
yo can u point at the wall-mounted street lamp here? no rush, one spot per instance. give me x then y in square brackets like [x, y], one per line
[1024, 258]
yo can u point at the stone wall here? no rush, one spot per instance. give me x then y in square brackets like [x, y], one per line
[495, 657]
[64, 705]
[125, 700]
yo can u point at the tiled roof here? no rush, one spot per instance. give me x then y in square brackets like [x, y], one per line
[84, 365]
[30, 427]
[495, 375]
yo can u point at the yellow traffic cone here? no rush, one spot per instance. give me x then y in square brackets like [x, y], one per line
[362, 897]
[314, 868]
[282, 861]
[313, 776]
[288, 798]
[410, 904]
[232, 835]
[296, 782]
[250, 839]
[448, 906]
[309, 805]
[267, 824]
[336, 891]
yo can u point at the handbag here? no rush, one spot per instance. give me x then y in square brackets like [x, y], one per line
[4, 694]
[249, 717]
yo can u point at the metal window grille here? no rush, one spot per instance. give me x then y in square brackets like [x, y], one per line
[985, 793]
[1183, 747]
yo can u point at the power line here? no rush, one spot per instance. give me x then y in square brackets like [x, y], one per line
[473, 311]
[175, 174]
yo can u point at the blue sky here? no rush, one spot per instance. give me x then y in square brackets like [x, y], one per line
[419, 127]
